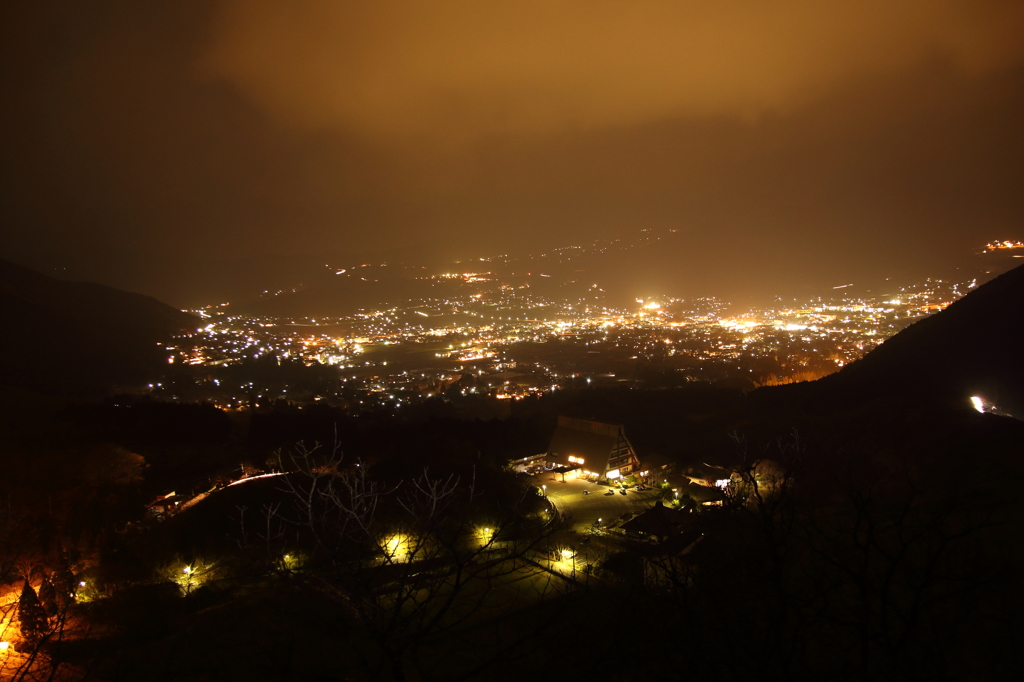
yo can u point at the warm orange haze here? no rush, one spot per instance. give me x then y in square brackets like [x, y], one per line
[204, 151]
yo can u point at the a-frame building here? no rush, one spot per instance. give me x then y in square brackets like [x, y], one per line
[595, 449]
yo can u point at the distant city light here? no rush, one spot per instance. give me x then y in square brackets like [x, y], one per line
[492, 330]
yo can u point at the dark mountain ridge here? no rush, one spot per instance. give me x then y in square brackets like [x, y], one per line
[972, 348]
[78, 335]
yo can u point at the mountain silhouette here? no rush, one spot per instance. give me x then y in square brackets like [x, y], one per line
[972, 348]
[61, 335]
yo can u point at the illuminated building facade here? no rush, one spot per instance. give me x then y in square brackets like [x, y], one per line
[594, 449]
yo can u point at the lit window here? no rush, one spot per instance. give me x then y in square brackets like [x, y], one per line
[614, 473]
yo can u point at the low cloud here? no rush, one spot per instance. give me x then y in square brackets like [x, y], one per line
[467, 69]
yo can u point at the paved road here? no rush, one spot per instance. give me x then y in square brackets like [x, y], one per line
[584, 510]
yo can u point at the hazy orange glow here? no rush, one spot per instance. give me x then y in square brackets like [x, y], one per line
[787, 144]
[472, 68]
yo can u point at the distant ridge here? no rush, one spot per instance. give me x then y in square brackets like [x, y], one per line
[973, 347]
[62, 335]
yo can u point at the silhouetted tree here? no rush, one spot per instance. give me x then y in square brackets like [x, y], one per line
[64, 583]
[412, 566]
[48, 597]
[31, 615]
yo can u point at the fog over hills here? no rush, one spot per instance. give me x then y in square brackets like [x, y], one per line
[641, 264]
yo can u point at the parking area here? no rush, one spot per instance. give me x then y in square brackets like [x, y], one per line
[585, 502]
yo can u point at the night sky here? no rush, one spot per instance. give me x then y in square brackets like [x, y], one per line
[177, 148]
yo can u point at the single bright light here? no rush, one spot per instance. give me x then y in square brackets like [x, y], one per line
[398, 547]
[978, 404]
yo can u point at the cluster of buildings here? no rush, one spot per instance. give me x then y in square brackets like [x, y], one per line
[645, 500]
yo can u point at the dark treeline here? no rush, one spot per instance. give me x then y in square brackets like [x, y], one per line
[182, 441]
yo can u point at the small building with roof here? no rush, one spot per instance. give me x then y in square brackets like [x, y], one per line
[593, 449]
[708, 475]
[659, 523]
